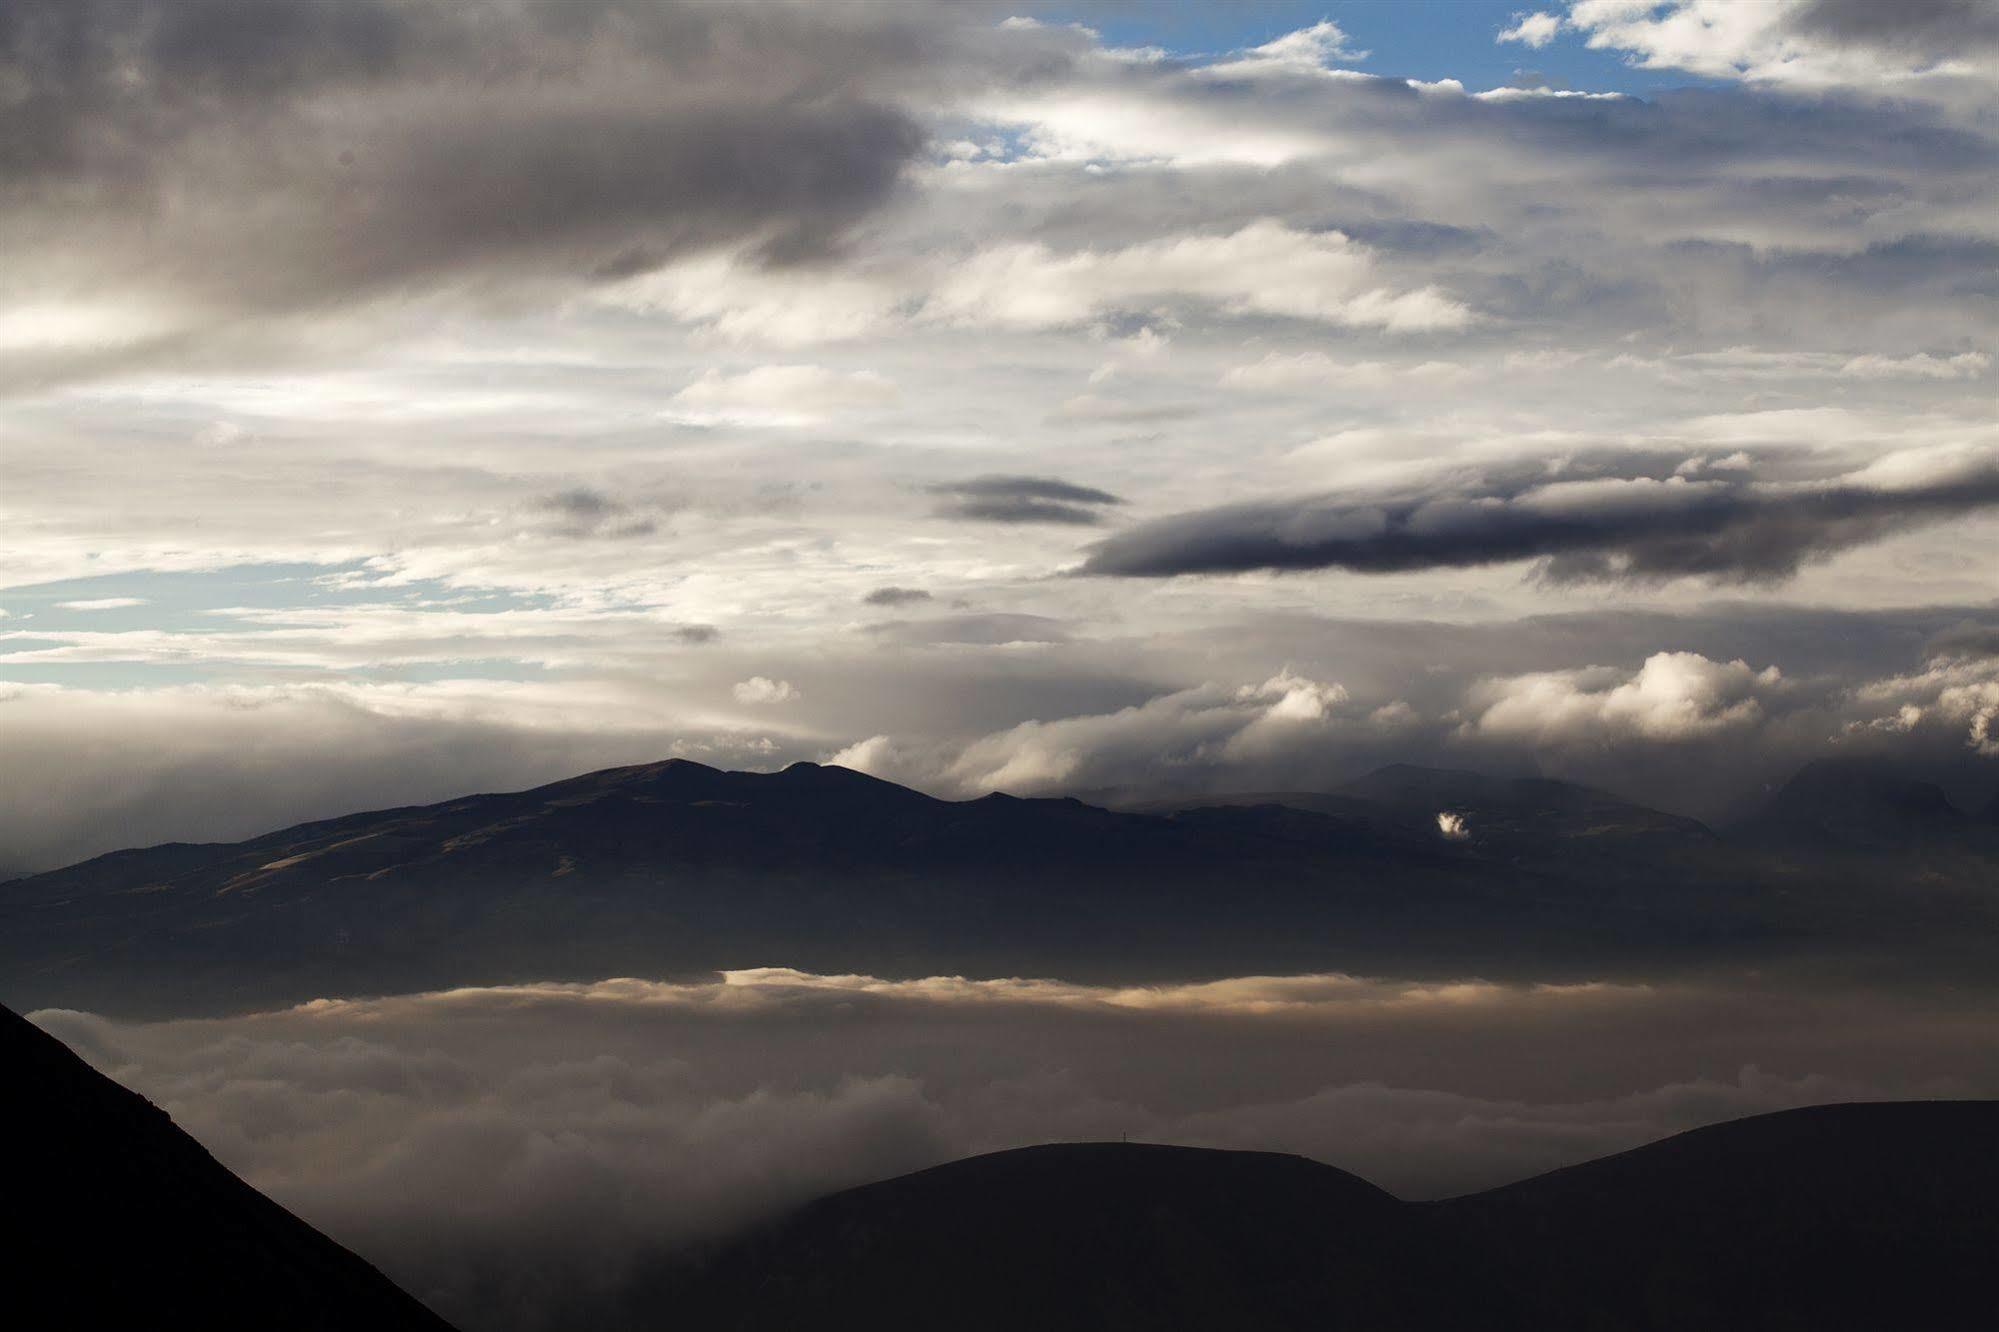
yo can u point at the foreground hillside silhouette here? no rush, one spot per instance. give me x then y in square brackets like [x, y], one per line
[675, 868]
[114, 1218]
[1845, 1217]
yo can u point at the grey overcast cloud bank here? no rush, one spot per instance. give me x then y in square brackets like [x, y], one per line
[1585, 527]
[513, 1155]
[404, 398]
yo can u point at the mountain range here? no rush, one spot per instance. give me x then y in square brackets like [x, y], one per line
[676, 868]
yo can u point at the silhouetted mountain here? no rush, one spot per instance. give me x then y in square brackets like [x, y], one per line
[1525, 820]
[676, 868]
[1860, 1217]
[1863, 1216]
[1094, 1236]
[1517, 808]
[1858, 804]
[114, 1218]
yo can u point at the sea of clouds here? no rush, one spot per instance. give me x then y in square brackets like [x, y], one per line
[518, 1155]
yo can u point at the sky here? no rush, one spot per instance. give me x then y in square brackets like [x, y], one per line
[401, 399]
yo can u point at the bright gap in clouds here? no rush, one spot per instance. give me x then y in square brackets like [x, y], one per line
[1418, 39]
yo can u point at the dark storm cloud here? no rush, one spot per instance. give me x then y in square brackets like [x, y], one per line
[1644, 526]
[895, 596]
[581, 513]
[1023, 499]
[272, 156]
[1936, 29]
[1966, 641]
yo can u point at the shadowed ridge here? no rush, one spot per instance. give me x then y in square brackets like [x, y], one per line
[1854, 1217]
[1095, 1236]
[1425, 791]
[1856, 803]
[1841, 1218]
[114, 1218]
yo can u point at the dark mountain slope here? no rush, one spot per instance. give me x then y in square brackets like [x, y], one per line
[1858, 805]
[1528, 815]
[1531, 812]
[1860, 1217]
[1100, 1236]
[114, 1218]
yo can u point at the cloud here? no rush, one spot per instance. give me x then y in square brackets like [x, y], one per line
[521, 1156]
[994, 628]
[761, 689]
[204, 161]
[895, 596]
[1959, 688]
[1263, 268]
[1024, 499]
[1207, 727]
[1533, 30]
[101, 603]
[1964, 365]
[581, 512]
[1309, 50]
[1288, 370]
[1968, 639]
[1620, 524]
[1808, 43]
[1933, 29]
[783, 395]
[1674, 696]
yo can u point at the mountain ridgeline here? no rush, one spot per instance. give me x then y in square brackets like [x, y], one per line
[114, 1218]
[1839, 1218]
[675, 868]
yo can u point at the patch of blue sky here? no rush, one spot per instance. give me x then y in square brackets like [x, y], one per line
[114, 676]
[1413, 39]
[430, 672]
[128, 676]
[193, 601]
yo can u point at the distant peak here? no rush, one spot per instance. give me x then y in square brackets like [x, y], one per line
[1858, 779]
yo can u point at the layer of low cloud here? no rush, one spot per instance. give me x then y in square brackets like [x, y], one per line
[516, 1155]
[962, 702]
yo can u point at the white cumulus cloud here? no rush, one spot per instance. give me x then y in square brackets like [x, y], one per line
[762, 689]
